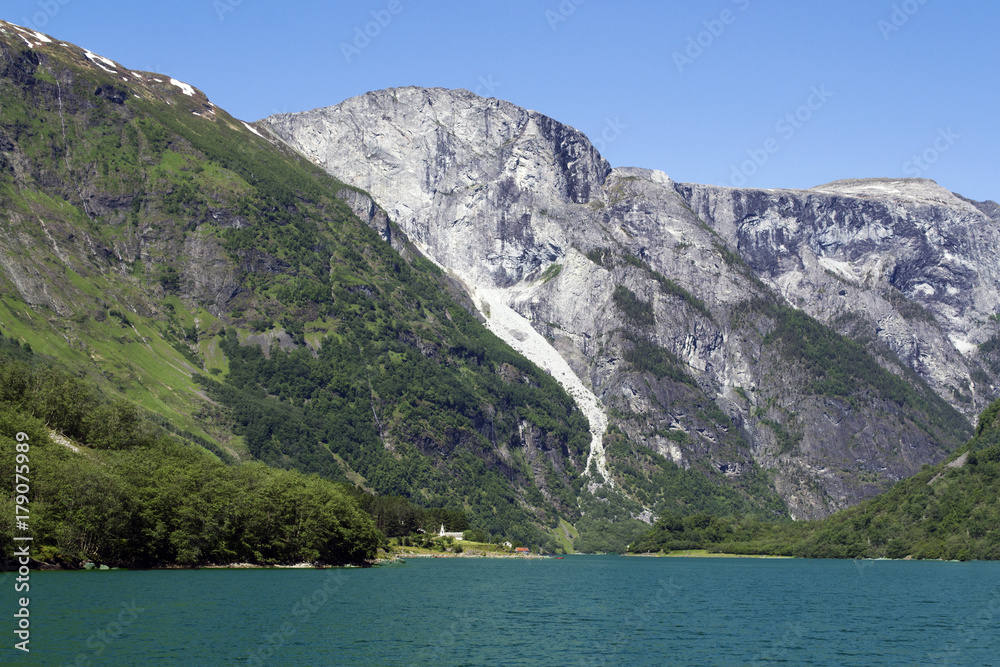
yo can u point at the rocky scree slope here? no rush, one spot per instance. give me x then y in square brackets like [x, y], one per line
[824, 340]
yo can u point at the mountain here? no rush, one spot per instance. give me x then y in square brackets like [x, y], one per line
[833, 340]
[167, 254]
[458, 301]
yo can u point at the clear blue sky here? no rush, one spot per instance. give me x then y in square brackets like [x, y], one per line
[763, 93]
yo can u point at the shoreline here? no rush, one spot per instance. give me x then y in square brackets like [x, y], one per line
[701, 553]
[468, 555]
[41, 566]
[400, 559]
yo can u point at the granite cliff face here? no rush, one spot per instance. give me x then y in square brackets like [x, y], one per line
[676, 306]
[905, 261]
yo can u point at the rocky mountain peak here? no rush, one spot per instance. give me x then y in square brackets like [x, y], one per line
[471, 137]
[434, 144]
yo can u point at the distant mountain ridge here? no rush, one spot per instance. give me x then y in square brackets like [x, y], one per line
[945, 512]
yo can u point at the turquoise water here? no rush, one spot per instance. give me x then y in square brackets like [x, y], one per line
[582, 610]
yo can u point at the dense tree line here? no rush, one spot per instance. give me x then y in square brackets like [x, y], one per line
[667, 487]
[697, 531]
[638, 312]
[138, 497]
[397, 516]
[648, 357]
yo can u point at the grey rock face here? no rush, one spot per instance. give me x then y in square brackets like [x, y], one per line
[474, 165]
[664, 298]
[913, 263]
[369, 212]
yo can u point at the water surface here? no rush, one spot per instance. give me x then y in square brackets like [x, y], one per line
[581, 610]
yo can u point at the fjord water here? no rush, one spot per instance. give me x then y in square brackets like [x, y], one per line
[581, 610]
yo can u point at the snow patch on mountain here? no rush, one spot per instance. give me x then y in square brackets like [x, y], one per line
[253, 129]
[21, 32]
[37, 35]
[185, 88]
[102, 62]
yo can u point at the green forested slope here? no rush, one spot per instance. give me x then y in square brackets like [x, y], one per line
[168, 254]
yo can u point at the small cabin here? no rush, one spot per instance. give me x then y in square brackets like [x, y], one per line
[522, 550]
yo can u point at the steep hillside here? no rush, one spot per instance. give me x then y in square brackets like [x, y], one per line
[164, 251]
[701, 350]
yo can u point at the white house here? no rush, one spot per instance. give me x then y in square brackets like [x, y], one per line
[442, 533]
